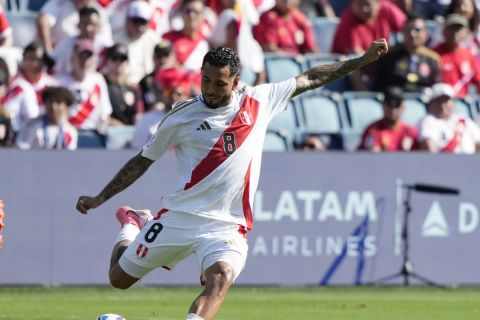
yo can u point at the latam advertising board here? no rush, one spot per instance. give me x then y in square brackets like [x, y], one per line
[320, 219]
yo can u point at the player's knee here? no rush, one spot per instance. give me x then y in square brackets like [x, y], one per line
[119, 281]
[222, 276]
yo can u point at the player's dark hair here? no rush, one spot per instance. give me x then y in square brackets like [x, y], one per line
[87, 11]
[222, 57]
[58, 95]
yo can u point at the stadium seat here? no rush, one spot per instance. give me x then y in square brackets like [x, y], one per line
[415, 109]
[24, 5]
[247, 76]
[119, 137]
[276, 141]
[351, 140]
[24, 27]
[287, 120]
[362, 108]
[321, 112]
[465, 107]
[90, 139]
[324, 31]
[281, 67]
[434, 29]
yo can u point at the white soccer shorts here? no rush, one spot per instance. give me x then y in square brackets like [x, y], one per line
[159, 245]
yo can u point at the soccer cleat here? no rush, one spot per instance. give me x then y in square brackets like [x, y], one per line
[138, 218]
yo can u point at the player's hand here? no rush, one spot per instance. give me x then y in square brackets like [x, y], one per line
[86, 203]
[376, 49]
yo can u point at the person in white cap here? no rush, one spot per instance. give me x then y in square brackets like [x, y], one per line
[442, 130]
[139, 39]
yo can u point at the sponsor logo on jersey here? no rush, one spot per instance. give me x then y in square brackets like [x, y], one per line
[204, 126]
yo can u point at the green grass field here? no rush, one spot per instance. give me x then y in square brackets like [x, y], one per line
[244, 303]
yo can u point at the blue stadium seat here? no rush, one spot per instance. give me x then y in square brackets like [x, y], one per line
[24, 5]
[247, 76]
[324, 32]
[331, 140]
[415, 109]
[351, 140]
[24, 27]
[90, 139]
[119, 137]
[465, 107]
[434, 30]
[281, 67]
[275, 141]
[287, 120]
[362, 108]
[322, 112]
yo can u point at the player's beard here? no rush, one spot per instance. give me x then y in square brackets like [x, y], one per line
[218, 102]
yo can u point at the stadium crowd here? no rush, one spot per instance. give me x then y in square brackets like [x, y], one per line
[103, 73]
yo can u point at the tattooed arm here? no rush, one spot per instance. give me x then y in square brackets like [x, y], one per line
[127, 175]
[323, 74]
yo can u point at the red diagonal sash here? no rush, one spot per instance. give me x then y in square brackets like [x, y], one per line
[218, 154]
[457, 137]
[86, 108]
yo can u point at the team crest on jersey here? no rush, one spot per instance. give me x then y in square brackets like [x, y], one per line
[142, 251]
[245, 118]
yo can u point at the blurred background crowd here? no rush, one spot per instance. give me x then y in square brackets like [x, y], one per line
[102, 73]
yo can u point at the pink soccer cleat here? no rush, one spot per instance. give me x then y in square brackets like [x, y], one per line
[138, 218]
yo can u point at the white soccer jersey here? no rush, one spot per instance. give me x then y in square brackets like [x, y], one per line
[92, 105]
[219, 151]
[442, 133]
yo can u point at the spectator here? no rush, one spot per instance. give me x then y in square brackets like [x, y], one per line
[469, 11]
[139, 39]
[59, 19]
[6, 132]
[91, 109]
[190, 43]
[123, 96]
[51, 131]
[89, 28]
[442, 130]
[150, 89]
[409, 65]
[159, 21]
[232, 32]
[285, 29]
[360, 23]
[459, 67]
[366, 20]
[33, 69]
[6, 32]
[311, 142]
[389, 133]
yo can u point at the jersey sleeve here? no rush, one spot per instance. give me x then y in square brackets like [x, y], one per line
[165, 138]
[276, 95]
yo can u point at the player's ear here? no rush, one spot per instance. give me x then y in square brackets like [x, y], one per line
[236, 81]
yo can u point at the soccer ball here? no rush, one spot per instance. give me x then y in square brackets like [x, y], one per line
[110, 316]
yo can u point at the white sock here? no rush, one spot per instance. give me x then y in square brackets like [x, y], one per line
[128, 232]
[193, 316]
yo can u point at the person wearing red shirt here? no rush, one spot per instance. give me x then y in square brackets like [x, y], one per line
[285, 29]
[389, 133]
[190, 44]
[360, 22]
[364, 21]
[458, 66]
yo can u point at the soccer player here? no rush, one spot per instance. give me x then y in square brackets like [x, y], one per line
[218, 139]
